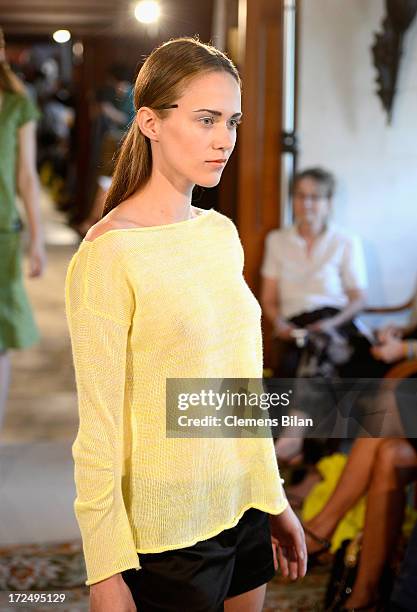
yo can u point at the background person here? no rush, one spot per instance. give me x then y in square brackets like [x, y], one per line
[18, 116]
[313, 279]
[313, 274]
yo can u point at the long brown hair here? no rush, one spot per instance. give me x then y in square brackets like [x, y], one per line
[161, 81]
[8, 80]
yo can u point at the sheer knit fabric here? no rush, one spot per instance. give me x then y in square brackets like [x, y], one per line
[143, 305]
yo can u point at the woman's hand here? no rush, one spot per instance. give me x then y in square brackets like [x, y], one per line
[322, 325]
[283, 330]
[289, 542]
[274, 543]
[385, 334]
[111, 595]
[392, 350]
[37, 258]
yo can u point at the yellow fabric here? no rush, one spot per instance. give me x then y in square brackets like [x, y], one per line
[330, 469]
[143, 305]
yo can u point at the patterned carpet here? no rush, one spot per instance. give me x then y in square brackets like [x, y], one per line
[59, 568]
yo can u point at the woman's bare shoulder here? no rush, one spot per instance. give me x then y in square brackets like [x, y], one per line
[106, 224]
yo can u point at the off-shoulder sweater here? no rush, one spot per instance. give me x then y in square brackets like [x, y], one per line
[143, 305]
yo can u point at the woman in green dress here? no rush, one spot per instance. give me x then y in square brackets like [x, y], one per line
[18, 117]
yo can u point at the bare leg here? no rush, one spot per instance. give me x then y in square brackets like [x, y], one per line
[251, 601]
[352, 484]
[394, 468]
[391, 425]
[289, 450]
[4, 383]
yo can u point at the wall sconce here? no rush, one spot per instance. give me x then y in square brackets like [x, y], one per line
[387, 48]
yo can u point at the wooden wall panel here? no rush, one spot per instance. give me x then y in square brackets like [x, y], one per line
[260, 136]
[258, 208]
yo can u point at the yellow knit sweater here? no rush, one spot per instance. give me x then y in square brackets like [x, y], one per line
[143, 305]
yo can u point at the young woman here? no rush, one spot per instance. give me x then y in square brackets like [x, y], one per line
[18, 115]
[156, 292]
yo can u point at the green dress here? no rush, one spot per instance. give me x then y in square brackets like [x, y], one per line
[18, 328]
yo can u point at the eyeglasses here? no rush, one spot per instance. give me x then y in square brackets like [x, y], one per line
[312, 197]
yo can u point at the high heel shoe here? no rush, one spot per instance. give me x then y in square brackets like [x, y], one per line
[325, 545]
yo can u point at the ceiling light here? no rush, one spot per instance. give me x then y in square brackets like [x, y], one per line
[61, 36]
[147, 11]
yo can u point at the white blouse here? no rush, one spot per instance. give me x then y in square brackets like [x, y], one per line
[308, 281]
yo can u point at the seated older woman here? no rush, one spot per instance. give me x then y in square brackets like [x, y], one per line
[313, 284]
[313, 274]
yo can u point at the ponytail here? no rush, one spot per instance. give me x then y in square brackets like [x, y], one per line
[133, 167]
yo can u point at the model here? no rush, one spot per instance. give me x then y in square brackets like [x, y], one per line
[18, 115]
[156, 292]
